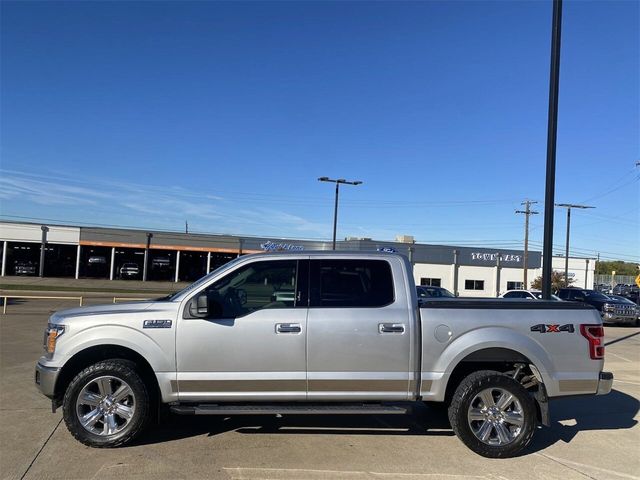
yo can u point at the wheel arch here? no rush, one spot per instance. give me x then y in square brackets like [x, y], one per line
[94, 354]
[501, 359]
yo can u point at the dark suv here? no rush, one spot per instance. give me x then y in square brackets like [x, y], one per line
[611, 310]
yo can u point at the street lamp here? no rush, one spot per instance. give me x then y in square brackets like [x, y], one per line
[568, 206]
[335, 210]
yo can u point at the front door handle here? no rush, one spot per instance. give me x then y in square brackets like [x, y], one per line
[288, 328]
[391, 328]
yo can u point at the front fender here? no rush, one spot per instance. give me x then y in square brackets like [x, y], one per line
[158, 352]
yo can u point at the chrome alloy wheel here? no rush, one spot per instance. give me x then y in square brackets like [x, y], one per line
[495, 417]
[105, 405]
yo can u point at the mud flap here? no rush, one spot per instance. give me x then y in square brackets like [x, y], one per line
[543, 404]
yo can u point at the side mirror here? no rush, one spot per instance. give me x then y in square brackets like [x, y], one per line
[202, 305]
[199, 306]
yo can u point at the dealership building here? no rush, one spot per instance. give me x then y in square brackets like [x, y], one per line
[92, 252]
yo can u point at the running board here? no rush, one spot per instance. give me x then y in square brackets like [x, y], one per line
[358, 409]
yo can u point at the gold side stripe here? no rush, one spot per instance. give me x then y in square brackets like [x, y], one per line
[290, 385]
[242, 385]
[358, 385]
[578, 385]
[425, 385]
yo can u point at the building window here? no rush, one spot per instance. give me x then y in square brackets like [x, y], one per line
[431, 282]
[514, 285]
[474, 284]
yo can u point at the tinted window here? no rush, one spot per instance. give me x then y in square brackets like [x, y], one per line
[432, 282]
[513, 295]
[593, 295]
[514, 286]
[351, 283]
[259, 285]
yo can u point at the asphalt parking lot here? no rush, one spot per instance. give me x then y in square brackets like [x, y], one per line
[590, 437]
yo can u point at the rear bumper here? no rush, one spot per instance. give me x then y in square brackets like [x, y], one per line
[45, 378]
[605, 383]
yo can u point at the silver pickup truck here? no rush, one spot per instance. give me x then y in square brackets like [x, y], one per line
[320, 333]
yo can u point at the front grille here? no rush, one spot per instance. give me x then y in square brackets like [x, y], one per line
[625, 311]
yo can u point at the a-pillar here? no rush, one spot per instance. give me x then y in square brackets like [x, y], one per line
[78, 262]
[5, 245]
[113, 261]
[177, 277]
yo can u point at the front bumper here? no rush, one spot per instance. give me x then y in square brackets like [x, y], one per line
[605, 383]
[610, 317]
[45, 378]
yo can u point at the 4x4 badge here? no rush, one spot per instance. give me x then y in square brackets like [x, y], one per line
[542, 328]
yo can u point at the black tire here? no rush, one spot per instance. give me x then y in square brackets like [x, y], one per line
[470, 390]
[118, 372]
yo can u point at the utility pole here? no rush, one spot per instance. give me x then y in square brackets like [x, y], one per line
[527, 212]
[568, 206]
[186, 227]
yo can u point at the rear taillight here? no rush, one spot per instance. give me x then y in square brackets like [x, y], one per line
[594, 335]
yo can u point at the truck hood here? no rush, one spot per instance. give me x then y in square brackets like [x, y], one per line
[109, 309]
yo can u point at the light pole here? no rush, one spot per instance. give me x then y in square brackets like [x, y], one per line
[568, 206]
[552, 132]
[335, 209]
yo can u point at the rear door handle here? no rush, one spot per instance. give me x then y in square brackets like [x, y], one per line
[391, 328]
[288, 328]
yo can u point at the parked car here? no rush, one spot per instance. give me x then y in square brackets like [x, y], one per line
[628, 301]
[97, 260]
[129, 270]
[526, 294]
[353, 341]
[24, 267]
[426, 292]
[611, 311]
[621, 289]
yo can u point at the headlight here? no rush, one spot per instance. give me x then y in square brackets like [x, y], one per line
[608, 308]
[51, 334]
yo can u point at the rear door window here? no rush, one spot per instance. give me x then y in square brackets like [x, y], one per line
[351, 283]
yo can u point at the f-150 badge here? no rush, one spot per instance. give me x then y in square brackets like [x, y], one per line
[157, 324]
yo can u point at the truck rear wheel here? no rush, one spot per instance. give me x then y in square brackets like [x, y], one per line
[493, 414]
[106, 404]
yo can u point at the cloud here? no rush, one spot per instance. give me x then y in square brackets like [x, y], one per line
[169, 205]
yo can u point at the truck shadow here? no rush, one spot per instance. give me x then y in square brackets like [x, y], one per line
[422, 421]
[568, 417]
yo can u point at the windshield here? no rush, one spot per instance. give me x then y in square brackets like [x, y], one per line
[201, 281]
[620, 299]
[427, 292]
[593, 295]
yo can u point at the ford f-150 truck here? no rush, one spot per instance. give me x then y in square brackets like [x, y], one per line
[320, 333]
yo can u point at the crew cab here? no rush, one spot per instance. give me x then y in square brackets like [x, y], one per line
[317, 333]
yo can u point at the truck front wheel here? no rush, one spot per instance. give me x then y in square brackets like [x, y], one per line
[106, 404]
[493, 414]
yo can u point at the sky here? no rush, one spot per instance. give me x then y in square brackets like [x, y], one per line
[224, 115]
